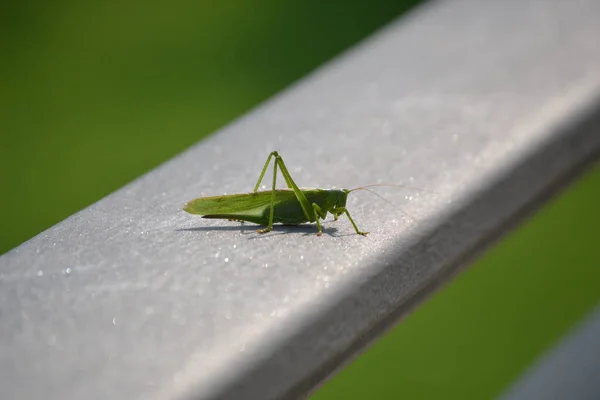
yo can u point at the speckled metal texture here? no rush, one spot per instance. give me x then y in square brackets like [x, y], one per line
[491, 106]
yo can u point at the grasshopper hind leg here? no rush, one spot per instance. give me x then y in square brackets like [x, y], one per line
[278, 163]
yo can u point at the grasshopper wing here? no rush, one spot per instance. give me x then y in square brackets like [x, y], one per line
[251, 207]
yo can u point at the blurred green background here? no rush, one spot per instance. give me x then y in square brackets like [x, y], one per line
[94, 94]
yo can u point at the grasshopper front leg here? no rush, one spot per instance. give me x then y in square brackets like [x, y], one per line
[344, 210]
[318, 213]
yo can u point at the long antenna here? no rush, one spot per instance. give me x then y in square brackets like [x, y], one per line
[384, 199]
[392, 185]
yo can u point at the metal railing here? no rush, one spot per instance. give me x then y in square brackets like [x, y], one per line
[492, 107]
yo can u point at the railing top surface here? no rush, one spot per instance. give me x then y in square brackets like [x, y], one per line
[488, 106]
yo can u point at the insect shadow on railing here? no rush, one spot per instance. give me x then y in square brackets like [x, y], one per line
[251, 230]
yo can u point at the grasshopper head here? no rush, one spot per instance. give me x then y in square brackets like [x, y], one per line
[343, 197]
[339, 197]
[334, 200]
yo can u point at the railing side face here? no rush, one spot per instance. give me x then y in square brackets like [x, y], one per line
[133, 298]
[569, 371]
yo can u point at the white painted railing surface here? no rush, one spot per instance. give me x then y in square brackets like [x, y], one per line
[492, 105]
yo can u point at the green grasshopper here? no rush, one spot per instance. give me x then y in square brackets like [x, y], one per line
[290, 206]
